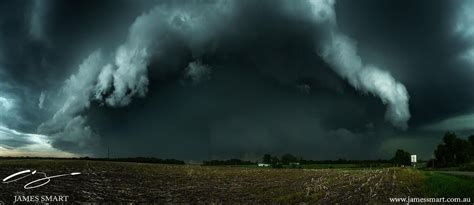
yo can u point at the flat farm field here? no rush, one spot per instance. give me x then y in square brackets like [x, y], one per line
[101, 181]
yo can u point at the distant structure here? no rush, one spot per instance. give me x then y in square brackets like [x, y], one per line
[294, 164]
[263, 165]
[413, 160]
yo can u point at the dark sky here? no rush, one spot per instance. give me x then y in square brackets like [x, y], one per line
[201, 79]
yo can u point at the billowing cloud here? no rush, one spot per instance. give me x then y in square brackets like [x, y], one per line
[341, 53]
[323, 11]
[115, 79]
[319, 76]
[196, 72]
[6, 104]
[9, 111]
[104, 82]
[148, 36]
[67, 122]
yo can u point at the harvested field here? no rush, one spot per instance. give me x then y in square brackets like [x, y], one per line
[135, 182]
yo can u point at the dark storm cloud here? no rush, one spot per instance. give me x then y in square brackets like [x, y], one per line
[234, 114]
[42, 41]
[216, 79]
[417, 42]
[126, 76]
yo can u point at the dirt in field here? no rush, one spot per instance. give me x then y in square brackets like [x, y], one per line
[134, 182]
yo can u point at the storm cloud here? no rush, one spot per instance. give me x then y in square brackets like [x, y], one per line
[341, 53]
[217, 79]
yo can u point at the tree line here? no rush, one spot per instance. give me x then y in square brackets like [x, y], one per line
[453, 151]
[289, 159]
[227, 162]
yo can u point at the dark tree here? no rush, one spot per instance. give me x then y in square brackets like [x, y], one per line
[267, 158]
[462, 151]
[401, 157]
[288, 158]
[471, 139]
[275, 160]
[471, 143]
[453, 151]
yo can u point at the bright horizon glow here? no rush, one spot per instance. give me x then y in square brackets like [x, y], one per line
[36, 145]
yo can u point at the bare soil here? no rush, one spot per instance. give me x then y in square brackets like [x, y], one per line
[155, 183]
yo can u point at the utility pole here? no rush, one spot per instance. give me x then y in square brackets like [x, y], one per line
[108, 152]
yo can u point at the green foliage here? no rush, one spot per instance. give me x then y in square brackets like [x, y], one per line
[470, 139]
[275, 160]
[443, 185]
[277, 165]
[453, 151]
[227, 162]
[267, 158]
[467, 167]
[288, 158]
[401, 157]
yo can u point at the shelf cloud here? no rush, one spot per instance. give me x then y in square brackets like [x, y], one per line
[203, 79]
